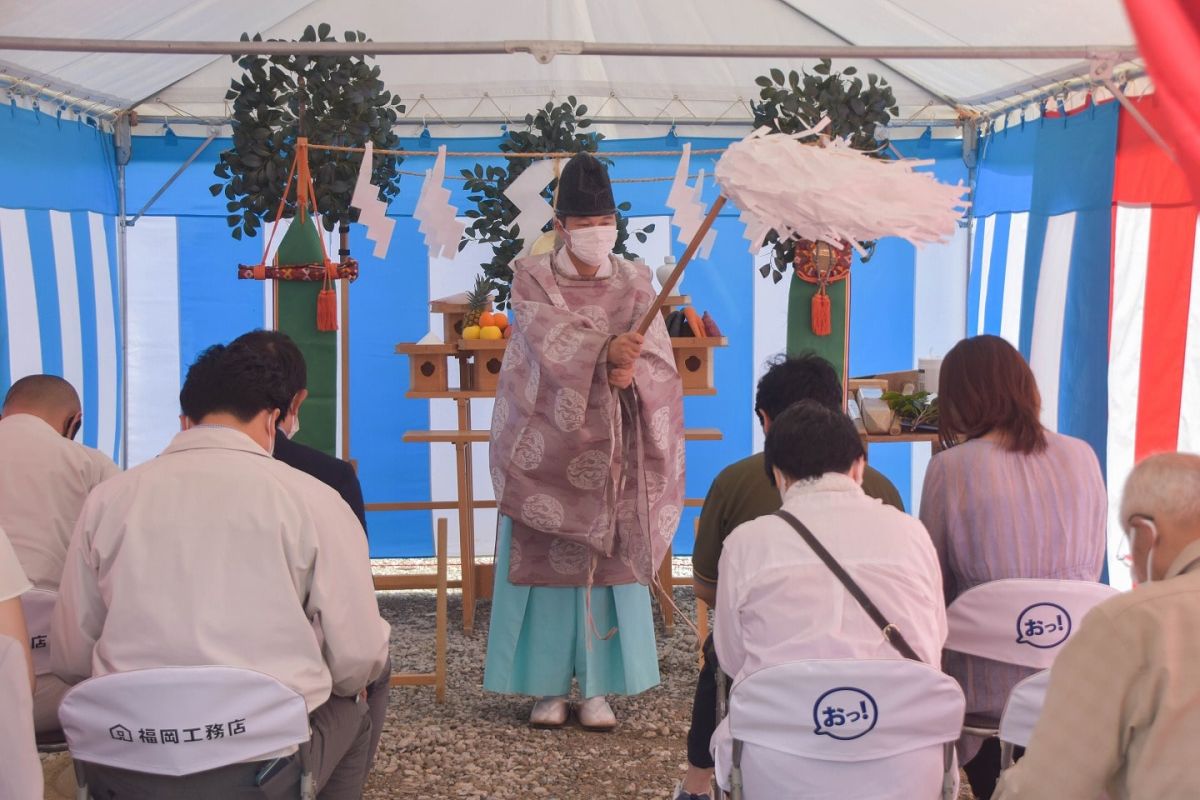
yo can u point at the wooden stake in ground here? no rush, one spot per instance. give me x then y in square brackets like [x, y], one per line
[692, 247]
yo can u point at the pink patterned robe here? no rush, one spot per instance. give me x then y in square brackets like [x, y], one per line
[591, 476]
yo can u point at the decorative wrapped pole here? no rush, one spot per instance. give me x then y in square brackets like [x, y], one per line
[306, 303]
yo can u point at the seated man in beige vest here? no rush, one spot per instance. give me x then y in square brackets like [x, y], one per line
[1122, 711]
[44, 479]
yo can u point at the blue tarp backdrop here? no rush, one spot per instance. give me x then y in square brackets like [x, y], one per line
[70, 168]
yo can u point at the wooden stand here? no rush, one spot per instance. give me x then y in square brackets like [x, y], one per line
[437, 678]
[486, 358]
[427, 370]
[694, 361]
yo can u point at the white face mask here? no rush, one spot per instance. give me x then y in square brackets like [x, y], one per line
[295, 427]
[592, 245]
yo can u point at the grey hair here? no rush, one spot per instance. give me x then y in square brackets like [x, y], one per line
[1164, 486]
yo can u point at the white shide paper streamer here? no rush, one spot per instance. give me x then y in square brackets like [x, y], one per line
[526, 194]
[834, 193]
[437, 216]
[685, 201]
[372, 212]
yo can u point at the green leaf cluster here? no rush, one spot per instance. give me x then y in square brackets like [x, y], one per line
[916, 408]
[798, 100]
[333, 100]
[553, 129]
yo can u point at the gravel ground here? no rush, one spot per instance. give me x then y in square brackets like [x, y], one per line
[478, 745]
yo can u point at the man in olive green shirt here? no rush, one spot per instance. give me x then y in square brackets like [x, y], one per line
[742, 492]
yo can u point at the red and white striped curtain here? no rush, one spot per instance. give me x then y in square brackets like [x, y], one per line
[1168, 34]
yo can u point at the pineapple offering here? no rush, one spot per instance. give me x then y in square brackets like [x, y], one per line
[480, 323]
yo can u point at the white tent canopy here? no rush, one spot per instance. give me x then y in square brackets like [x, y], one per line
[615, 87]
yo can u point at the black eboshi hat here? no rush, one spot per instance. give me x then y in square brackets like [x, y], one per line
[584, 189]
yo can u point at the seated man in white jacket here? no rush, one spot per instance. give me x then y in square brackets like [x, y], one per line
[778, 602]
[216, 553]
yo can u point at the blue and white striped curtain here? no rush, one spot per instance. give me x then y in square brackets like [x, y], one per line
[59, 310]
[59, 295]
[1041, 237]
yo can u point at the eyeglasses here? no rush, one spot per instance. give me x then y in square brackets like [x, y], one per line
[1135, 520]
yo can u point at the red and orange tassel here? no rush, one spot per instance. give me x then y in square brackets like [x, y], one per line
[327, 302]
[822, 313]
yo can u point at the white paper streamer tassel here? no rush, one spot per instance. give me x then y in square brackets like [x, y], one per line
[685, 201]
[526, 194]
[438, 218]
[834, 193]
[372, 212]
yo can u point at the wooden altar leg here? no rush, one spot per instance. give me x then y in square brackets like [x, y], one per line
[439, 666]
[466, 516]
[701, 606]
[667, 592]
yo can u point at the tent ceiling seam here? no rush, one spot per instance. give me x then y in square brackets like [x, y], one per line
[292, 14]
[934, 94]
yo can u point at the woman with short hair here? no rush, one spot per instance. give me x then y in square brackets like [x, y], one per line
[1007, 498]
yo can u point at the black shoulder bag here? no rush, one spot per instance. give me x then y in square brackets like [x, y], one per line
[890, 631]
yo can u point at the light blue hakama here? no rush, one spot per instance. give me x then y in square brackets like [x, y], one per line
[538, 637]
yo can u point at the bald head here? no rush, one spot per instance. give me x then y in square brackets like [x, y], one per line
[1162, 498]
[46, 396]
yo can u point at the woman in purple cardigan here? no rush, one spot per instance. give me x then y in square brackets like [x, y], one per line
[1007, 499]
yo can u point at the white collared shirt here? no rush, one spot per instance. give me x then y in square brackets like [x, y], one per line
[44, 479]
[216, 553]
[778, 602]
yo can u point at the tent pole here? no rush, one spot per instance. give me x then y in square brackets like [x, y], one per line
[545, 50]
[122, 143]
[212, 134]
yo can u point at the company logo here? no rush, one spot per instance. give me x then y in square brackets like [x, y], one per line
[844, 713]
[1043, 625]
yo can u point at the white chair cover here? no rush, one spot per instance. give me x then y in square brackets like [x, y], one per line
[20, 770]
[1021, 621]
[841, 728]
[1023, 708]
[181, 720]
[37, 605]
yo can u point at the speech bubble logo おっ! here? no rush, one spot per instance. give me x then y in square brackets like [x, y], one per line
[1043, 625]
[844, 713]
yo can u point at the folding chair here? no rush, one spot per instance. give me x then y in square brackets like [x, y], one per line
[178, 721]
[1018, 621]
[1021, 713]
[829, 728]
[37, 606]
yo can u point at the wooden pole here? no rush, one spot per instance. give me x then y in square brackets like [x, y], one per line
[439, 665]
[345, 346]
[466, 516]
[692, 247]
[701, 611]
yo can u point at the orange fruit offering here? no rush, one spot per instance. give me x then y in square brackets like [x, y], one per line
[500, 320]
[487, 319]
[507, 332]
[490, 332]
